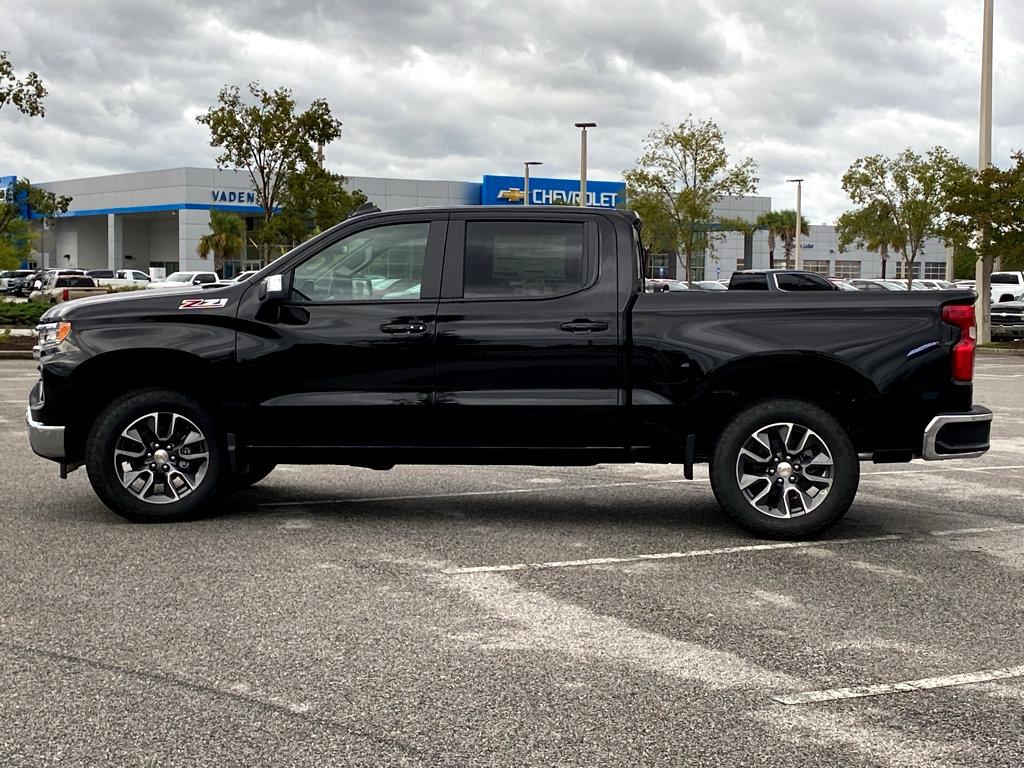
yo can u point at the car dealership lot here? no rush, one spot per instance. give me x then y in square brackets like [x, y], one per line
[605, 615]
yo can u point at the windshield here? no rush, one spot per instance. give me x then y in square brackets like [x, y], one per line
[179, 277]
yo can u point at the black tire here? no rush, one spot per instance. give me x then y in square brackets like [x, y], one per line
[104, 438]
[725, 471]
[252, 473]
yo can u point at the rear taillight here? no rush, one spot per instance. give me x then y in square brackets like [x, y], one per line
[65, 294]
[962, 361]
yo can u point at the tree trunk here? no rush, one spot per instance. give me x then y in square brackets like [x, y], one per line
[884, 253]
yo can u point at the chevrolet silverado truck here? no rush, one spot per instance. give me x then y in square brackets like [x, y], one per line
[57, 288]
[487, 335]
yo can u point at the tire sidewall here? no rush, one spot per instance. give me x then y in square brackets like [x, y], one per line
[846, 466]
[107, 430]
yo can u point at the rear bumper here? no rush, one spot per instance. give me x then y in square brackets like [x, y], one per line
[46, 440]
[958, 436]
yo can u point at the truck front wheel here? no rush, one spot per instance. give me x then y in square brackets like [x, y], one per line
[785, 469]
[155, 456]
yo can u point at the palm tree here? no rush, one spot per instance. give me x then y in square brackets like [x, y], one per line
[870, 228]
[225, 239]
[773, 224]
[787, 231]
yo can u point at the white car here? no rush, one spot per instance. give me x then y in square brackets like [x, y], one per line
[1007, 286]
[120, 278]
[185, 279]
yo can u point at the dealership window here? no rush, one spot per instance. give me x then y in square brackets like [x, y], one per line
[915, 269]
[662, 266]
[383, 263]
[819, 266]
[523, 259]
[935, 270]
[847, 268]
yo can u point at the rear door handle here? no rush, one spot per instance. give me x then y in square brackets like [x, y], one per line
[404, 328]
[582, 325]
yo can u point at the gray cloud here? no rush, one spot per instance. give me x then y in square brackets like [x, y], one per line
[458, 89]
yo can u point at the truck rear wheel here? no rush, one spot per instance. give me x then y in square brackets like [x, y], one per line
[785, 469]
[155, 456]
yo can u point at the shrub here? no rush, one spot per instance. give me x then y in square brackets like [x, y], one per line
[21, 314]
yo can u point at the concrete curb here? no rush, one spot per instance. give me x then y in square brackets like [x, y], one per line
[18, 330]
[15, 355]
[998, 351]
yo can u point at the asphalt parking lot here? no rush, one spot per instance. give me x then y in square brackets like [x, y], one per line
[482, 616]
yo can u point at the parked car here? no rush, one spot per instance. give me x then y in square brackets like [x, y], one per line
[9, 278]
[937, 285]
[120, 278]
[555, 357]
[878, 284]
[1007, 320]
[25, 286]
[654, 285]
[1007, 286]
[842, 284]
[779, 280]
[59, 288]
[709, 285]
[185, 280]
[243, 276]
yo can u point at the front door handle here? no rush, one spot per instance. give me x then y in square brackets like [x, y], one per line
[404, 328]
[583, 325]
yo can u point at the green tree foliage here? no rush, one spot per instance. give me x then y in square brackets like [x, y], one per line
[870, 228]
[682, 173]
[908, 196]
[15, 234]
[781, 226]
[268, 138]
[26, 95]
[15, 244]
[313, 200]
[657, 234]
[987, 210]
[224, 240]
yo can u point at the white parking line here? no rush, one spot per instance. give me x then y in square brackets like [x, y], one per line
[873, 690]
[662, 556]
[944, 466]
[491, 492]
[978, 530]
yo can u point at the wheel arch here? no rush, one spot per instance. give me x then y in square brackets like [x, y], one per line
[98, 381]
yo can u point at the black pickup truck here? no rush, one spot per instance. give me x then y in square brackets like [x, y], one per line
[501, 336]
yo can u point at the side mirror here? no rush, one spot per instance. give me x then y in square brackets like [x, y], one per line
[37, 285]
[274, 288]
[197, 282]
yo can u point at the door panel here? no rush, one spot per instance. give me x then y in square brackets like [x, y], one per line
[528, 334]
[348, 361]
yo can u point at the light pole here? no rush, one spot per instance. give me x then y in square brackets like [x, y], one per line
[526, 179]
[583, 159]
[983, 269]
[799, 190]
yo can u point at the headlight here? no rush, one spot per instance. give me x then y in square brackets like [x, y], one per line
[52, 334]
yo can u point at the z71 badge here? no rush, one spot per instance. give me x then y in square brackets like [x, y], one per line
[201, 304]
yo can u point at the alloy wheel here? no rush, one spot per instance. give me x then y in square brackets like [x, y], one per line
[161, 457]
[784, 470]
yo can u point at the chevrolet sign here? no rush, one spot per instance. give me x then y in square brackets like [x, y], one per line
[508, 190]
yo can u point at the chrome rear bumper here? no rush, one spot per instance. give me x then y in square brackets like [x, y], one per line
[957, 436]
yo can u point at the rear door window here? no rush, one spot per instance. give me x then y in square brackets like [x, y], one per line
[524, 259]
[748, 282]
[792, 282]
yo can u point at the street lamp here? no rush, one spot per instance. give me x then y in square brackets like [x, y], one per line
[583, 159]
[985, 264]
[526, 179]
[799, 190]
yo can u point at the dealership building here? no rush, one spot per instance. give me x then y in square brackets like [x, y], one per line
[154, 219]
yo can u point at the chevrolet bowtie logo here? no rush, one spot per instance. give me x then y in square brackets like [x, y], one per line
[512, 195]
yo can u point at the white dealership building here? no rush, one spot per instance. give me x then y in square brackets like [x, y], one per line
[154, 219]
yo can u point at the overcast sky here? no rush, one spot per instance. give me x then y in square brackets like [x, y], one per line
[440, 90]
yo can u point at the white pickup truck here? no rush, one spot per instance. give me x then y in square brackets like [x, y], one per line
[120, 278]
[1007, 286]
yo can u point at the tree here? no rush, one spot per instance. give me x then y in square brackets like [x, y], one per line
[15, 244]
[770, 222]
[987, 208]
[313, 200]
[683, 172]
[908, 195]
[786, 222]
[26, 95]
[225, 239]
[657, 233]
[870, 228]
[268, 139]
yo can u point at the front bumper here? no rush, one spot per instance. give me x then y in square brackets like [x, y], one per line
[1014, 330]
[47, 440]
[958, 436]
